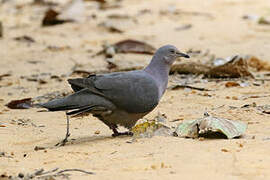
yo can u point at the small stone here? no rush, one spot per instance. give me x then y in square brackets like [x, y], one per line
[97, 132]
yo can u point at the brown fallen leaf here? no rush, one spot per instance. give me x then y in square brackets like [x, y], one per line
[232, 84]
[51, 19]
[235, 68]
[133, 46]
[190, 68]
[20, 104]
[126, 46]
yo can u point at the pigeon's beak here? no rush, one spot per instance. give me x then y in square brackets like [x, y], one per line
[179, 54]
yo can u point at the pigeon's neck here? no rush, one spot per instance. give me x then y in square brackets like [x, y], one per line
[159, 70]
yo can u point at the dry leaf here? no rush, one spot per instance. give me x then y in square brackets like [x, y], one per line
[150, 128]
[235, 68]
[133, 46]
[51, 18]
[20, 104]
[211, 127]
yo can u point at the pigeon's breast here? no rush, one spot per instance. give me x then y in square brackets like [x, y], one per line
[134, 92]
[140, 97]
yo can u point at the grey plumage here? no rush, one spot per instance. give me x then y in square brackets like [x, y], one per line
[120, 98]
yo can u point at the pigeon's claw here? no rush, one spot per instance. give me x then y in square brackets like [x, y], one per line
[64, 141]
[116, 133]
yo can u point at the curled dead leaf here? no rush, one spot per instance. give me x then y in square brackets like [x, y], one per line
[20, 104]
[129, 46]
[133, 46]
[235, 68]
[211, 127]
[51, 18]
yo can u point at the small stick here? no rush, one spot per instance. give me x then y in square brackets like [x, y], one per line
[175, 87]
[79, 170]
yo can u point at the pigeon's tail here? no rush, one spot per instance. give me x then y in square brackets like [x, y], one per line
[80, 100]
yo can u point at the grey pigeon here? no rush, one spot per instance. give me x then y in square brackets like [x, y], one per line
[119, 98]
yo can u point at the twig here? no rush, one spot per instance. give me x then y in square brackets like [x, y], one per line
[51, 171]
[175, 87]
[79, 170]
[41, 174]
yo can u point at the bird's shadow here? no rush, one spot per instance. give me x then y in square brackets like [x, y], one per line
[87, 139]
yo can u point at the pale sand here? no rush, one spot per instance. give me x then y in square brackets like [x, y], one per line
[149, 158]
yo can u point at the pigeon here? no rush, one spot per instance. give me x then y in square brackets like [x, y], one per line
[119, 98]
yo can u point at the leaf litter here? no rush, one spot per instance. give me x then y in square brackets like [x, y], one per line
[154, 127]
[128, 46]
[211, 127]
[25, 103]
[51, 18]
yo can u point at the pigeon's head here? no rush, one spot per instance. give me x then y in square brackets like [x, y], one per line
[169, 54]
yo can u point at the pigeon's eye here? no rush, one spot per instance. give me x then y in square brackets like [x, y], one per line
[172, 51]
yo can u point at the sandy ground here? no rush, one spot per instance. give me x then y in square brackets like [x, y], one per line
[222, 31]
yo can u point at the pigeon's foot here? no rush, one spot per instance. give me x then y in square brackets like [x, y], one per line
[116, 133]
[64, 141]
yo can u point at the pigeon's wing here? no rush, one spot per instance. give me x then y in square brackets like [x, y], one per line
[135, 91]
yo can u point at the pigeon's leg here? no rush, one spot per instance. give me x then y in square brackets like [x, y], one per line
[64, 141]
[116, 133]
